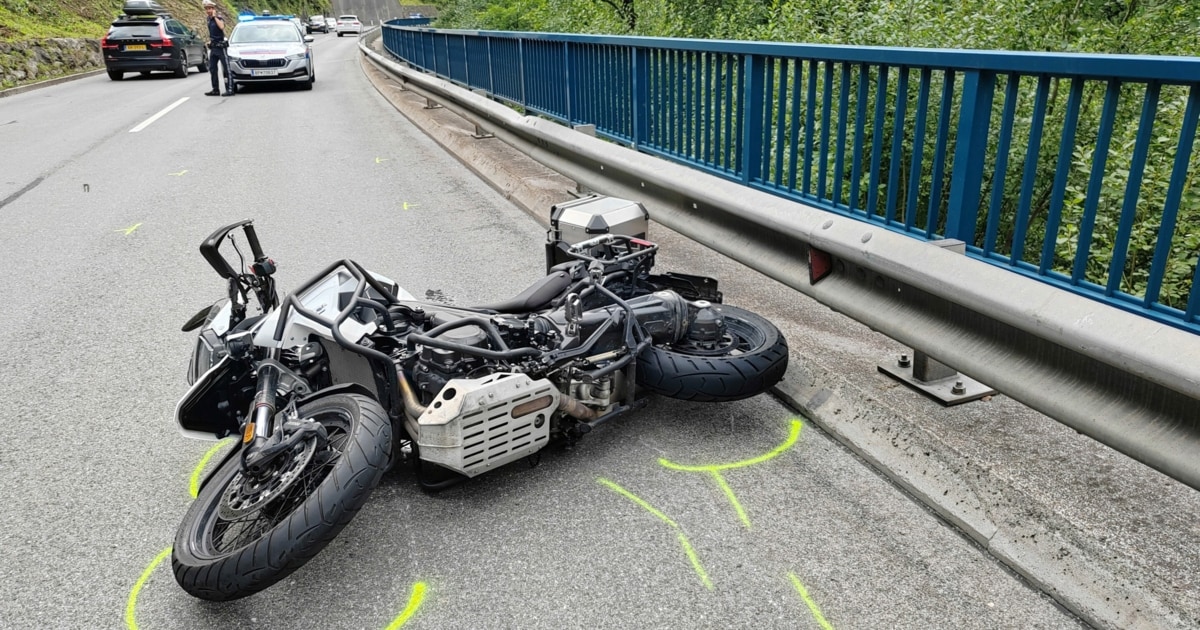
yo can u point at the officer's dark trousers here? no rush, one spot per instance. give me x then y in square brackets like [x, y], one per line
[218, 55]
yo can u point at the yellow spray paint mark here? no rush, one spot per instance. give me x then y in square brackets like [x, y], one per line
[715, 469]
[414, 602]
[687, 546]
[131, 604]
[408, 206]
[179, 174]
[129, 230]
[812, 606]
[194, 485]
[380, 160]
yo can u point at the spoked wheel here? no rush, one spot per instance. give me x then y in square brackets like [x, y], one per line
[246, 531]
[730, 355]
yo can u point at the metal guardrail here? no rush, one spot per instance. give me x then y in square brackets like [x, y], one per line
[1127, 381]
[421, 21]
[1065, 167]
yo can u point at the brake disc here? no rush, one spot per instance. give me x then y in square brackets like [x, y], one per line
[247, 493]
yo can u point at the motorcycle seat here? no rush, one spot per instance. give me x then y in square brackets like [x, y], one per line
[536, 297]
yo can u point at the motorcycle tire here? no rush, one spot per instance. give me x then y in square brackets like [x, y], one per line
[751, 357]
[219, 560]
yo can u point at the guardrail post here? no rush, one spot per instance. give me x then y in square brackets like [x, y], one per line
[752, 118]
[932, 377]
[966, 181]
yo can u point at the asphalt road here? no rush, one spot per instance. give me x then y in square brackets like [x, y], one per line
[100, 228]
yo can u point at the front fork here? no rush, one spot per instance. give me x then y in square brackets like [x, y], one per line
[269, 434]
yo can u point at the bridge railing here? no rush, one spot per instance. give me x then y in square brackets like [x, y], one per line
[1075, 169]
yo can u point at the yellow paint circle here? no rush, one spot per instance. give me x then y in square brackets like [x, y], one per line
[131, 603]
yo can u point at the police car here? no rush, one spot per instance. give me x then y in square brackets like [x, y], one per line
[270, 49]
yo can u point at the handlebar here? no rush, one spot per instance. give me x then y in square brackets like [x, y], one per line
[209, 247]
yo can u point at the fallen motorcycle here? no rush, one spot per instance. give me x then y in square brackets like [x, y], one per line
[333, 384]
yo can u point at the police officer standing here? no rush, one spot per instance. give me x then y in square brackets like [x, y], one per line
[217, 47]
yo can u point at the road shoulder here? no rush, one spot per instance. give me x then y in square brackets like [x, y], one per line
[1108, 538]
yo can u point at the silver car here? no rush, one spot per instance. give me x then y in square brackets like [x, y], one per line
[266, 50]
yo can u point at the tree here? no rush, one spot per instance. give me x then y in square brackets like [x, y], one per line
[626, 12]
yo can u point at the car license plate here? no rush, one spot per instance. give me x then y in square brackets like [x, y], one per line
[264, 73]
[136, 47]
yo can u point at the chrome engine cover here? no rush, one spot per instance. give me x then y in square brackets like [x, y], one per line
[476, 424]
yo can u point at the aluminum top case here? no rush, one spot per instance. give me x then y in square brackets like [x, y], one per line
[580, 219]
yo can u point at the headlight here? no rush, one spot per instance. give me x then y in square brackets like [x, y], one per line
[209, 349]
[297, 56]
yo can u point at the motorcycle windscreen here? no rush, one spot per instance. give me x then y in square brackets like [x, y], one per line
[212, 408]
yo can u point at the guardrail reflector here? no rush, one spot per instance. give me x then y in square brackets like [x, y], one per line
[819, 264]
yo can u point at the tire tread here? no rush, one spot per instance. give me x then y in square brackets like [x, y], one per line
[305, 532]
[716, 379]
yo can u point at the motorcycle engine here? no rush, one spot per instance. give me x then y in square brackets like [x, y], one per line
[436, 366]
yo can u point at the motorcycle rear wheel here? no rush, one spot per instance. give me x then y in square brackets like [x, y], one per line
[751, 356]
[220, 560]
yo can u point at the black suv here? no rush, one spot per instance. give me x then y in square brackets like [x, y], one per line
[146, 38]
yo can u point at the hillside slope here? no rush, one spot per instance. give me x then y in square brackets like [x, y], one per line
[22, 20]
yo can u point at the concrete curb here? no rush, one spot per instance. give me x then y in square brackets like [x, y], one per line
[1028, 537]
[1105, 589]
[21, 89]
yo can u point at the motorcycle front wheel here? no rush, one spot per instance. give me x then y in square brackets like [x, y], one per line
[748, 357]
[241, 536]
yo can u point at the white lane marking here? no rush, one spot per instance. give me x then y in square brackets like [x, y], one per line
[155, 117]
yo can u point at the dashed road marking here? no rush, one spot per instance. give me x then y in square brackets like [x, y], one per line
[149, 121]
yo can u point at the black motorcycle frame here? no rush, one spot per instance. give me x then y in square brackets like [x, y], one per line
[604, 299]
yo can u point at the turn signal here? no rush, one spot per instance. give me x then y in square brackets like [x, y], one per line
[248, 434]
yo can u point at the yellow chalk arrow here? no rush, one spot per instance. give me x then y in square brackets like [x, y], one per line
[129, 230]
[180, 173]
[408, 206]
[380, 160]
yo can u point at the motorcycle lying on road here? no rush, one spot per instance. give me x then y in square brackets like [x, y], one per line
[348, 374]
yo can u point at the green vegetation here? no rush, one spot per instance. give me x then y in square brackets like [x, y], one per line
[1111, 26]
[89, 19]
[1159, 27]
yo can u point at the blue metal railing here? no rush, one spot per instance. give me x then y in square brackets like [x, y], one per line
[409, 21]
[1075, 169]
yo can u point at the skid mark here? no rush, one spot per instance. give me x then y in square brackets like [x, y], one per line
[683, 540]
[715, 469]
